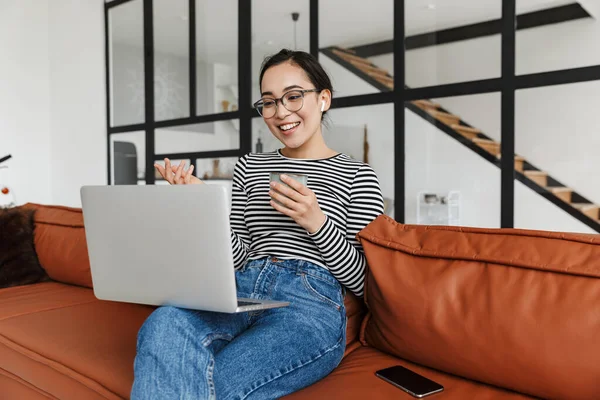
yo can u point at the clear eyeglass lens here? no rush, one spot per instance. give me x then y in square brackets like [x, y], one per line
[292, 101]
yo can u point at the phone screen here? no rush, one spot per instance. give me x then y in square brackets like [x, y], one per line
[409, 381]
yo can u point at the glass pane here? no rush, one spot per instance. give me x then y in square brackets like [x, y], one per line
[358, 57]
[209, 169]
[452, 162]
[274, 29]
[126, 63]
[263, 141]
[216, 56]
[171, 59]
[366, 134]
[450, 42]
[128, 157]
[220, 135]
[557, 46]
[557, 134]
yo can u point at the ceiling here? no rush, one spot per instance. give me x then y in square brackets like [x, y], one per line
[341, 22]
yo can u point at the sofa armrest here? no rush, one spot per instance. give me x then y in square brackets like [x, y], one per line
[61, 245]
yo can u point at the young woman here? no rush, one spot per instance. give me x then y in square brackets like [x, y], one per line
[295, 244]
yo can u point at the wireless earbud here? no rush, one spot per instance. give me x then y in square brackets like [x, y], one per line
[323, 106]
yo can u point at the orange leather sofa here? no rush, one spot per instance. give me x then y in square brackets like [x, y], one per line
[487, 313]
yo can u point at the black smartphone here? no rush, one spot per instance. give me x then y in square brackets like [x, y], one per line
[409, 381]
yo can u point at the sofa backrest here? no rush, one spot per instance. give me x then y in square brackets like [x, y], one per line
[60, 244]
[512, 308]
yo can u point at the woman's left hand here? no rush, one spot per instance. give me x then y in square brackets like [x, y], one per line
[299, 203]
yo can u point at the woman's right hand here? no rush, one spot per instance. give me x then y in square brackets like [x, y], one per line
[177, 174]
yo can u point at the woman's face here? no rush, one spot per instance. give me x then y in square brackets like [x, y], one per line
[293, 129]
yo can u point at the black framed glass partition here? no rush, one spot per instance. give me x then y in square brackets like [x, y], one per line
[484, 111]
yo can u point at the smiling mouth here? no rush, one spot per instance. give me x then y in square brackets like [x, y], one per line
[287, 127]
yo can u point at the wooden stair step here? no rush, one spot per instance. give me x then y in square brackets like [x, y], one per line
[389, 85]
[426, 104]
[347, 50]
[466, 131]
[539, 177]
[381, 78]
[349, 57]
[377, 75]
[371, 69]
[448, 119]
[519, 160]
[488, 145]
[589, 209]
[562, 193]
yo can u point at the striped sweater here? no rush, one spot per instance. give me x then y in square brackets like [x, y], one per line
[348, 193]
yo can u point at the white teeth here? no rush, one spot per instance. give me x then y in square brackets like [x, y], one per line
[289, 126]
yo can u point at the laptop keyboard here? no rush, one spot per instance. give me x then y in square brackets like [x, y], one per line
[242, 303]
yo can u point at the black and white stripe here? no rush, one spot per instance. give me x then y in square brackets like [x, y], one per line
[348, 192]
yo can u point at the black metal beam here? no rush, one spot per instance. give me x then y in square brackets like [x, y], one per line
[314, 28]
[507, 145]
[199, 119]
[574, 75]
[192, 55]
[198, 154]
[454, 89]
[115, 3]
[108, 92]
[149, 88]
[399, 113]
[362, 100]
[126, 128]
[534, 19]
[245, 74]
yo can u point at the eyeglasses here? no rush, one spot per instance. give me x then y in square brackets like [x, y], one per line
[292, 101]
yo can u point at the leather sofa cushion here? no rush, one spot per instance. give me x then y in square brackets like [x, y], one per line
[355, 378]
[512, 308]
[13, 387]
[63, 341]
[61, 245]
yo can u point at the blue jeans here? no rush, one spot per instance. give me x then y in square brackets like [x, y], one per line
[266, 354]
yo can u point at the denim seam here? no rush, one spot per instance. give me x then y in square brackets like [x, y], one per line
[322, 276]
[332, 281]
[319, 295]
[287, 371]
[207, 341]
[272, 283]
[209, 377]
[258, 279]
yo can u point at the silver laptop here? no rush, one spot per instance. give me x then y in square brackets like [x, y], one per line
[163, 245]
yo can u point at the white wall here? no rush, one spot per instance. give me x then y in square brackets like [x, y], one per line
[592, 7]
[52, 100]
[25, 99]
[78, 98]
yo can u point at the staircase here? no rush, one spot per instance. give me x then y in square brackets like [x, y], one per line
[535, 178]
